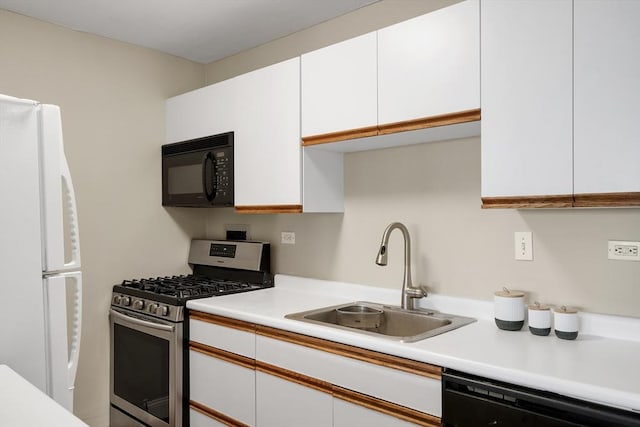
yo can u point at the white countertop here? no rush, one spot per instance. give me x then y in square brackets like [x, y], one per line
[593, 367]
[23, 404]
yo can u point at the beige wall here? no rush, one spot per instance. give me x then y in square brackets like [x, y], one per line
[458, 248]
[112, 98]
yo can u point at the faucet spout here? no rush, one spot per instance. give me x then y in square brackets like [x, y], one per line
[409, 293]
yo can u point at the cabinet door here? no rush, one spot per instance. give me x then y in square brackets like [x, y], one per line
[347, 414]
[339, 86]
[282, 403]
[198, 419]
[203, 112]
[267, 136]
[527, 98]
[607, 90]
[225, 387]
[429, 65]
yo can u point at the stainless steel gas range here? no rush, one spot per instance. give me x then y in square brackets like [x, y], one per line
[148, 333]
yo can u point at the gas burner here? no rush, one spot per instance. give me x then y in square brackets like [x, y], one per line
[176, 290]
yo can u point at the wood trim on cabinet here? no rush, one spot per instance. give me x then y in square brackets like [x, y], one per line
[218, 416]
[268, 209]
[295, 377]
[431, 121]
[340, 136]
[392, 409]
[388, 128]
[222, 321]
[369, 356]
[522, 202]
[606, 199]
[227, 356]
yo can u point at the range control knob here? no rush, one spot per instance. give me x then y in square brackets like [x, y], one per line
[152, 308]
[126, 301]
[138, 304]
[162, 310]
[117, 299]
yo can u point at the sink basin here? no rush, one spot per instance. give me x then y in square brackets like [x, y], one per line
[392, 322]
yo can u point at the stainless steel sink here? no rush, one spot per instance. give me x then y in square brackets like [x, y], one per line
[394, 323]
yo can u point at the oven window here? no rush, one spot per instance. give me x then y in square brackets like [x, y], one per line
[141, 370]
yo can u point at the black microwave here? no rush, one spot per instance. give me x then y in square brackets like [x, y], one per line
[198, 172]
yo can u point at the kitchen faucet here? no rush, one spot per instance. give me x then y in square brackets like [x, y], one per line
[409, 293]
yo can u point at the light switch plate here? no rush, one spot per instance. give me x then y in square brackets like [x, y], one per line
[523, 244]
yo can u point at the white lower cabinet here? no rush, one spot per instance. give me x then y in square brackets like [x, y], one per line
[347, 414]
[199, 419]
[417, 392]
[284, 403]
[223, 386]
[289, 380]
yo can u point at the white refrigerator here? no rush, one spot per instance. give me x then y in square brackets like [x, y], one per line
[40, 278]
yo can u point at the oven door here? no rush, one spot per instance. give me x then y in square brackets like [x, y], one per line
[146, 368]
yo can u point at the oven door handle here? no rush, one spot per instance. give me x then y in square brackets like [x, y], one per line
[140, 322]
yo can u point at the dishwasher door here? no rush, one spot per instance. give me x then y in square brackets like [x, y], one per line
[472, 401]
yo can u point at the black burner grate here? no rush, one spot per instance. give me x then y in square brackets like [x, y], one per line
[187, 286]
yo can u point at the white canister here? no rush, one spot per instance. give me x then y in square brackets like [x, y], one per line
[565, 323]
[539, 319]
[509, 309]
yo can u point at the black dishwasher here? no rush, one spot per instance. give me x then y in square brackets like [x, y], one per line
[472, 401]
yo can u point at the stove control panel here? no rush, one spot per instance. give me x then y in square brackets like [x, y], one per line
[148, 308]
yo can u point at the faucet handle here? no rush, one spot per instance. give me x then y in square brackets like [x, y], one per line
[419, 291]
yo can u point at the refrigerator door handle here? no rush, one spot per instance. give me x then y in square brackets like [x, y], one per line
[76, 326]
[63, 339]
[58, 197]
[70, 199]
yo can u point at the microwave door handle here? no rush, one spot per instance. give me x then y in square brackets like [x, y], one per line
[205, 183]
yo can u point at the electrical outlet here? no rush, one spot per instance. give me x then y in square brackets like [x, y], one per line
[523, 244]
[288, 237]
[624, 251]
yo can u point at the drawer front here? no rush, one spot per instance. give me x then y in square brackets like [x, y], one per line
[226, 338]
[283, 403]
[417, 392]
[198, 419]
[346, 414]
[223, 386]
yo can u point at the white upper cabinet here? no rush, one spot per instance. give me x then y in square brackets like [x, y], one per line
[418, 74]
[339, 86]
[527, 99]
[267, 136]
[262, 108]
[607, 94]
[429, 65]
[203, 112]
[559, 103]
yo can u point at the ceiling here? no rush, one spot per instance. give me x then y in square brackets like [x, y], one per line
[200, 30]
